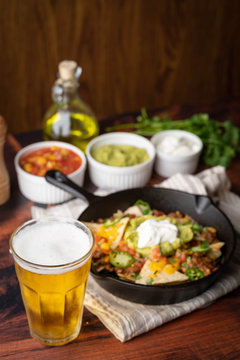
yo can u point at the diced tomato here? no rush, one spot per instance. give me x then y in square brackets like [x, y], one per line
[124, 247]
[195, 260]
[181, 256]
[138, 266]
[156, 254]
[99, 239]
[164, 258]
[157, 213]
[39, 161]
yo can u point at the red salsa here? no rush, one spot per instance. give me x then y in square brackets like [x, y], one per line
[38, 162]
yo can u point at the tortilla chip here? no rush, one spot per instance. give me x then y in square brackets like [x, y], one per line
[215, 250]
[134, 210]
[157, 278]
[126, 277]
[94, 227]
[113, 233]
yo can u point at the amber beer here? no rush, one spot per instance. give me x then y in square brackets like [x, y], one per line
[52, 262]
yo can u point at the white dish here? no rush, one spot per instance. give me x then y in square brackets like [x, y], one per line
[167, 164]
[115, 177]
[36, 188]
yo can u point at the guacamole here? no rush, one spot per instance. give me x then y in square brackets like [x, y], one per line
[185, 234]
[120, 155]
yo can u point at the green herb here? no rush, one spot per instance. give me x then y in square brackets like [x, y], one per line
[136, 276]
[150, 281]
[220, 139]
[204, 247]
[144, 207]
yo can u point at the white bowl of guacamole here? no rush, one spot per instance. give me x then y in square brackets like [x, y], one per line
[120, 160]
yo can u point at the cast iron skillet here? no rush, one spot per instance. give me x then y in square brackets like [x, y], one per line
[200, 208]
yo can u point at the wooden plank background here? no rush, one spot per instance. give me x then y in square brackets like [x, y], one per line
[134, 53]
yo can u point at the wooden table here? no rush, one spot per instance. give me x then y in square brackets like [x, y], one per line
[210, 333]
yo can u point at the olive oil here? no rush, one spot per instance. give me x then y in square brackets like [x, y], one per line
[69, 119]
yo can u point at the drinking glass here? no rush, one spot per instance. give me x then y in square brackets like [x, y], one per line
[52, 261]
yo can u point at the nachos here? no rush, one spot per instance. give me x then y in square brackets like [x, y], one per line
[146, 246]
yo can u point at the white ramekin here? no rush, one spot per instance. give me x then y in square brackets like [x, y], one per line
[36, 188]
[115, 177]
[167, 165]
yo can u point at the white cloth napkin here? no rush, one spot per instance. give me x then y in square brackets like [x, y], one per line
[127, 320]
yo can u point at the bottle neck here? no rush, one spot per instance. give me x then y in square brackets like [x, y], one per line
[63, 96]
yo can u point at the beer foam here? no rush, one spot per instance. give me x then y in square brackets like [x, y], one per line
[51, 244]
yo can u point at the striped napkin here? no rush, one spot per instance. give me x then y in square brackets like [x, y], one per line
[127, 320]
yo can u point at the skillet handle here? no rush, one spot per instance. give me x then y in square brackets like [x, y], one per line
[57, 178]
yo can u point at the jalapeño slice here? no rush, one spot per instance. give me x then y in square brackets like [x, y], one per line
[121, 259]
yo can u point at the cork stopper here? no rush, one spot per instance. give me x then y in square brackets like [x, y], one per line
[69, 73]
[67, 69]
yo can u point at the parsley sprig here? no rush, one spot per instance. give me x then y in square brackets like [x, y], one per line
[220, 139]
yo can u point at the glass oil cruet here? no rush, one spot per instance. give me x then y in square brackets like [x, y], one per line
[69, 119]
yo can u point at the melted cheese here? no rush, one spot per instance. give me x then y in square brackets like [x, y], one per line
[169, 269]
[157, 265]
[109, 233]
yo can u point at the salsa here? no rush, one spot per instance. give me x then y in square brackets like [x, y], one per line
[38, 162]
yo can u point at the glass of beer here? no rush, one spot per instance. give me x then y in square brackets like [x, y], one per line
[52, 260]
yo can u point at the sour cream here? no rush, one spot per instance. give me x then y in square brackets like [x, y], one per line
[152, 232]
[177, 146]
